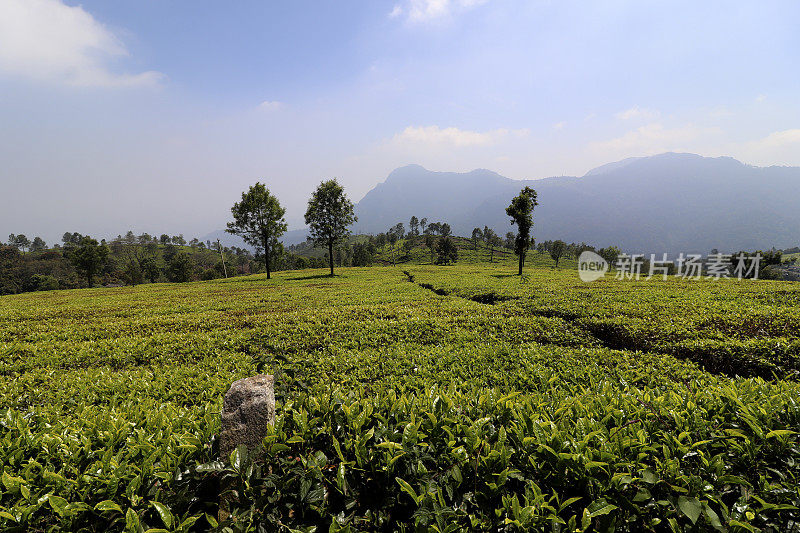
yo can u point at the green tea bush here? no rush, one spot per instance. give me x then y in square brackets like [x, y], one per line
[491, 404]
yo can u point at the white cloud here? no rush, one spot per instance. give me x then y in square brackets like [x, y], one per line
[559, 125]
[397, 10]
[47, 40]
[451, 137]
[638, 113]
[654, 138]
[430, 10]
[270, 105]
[779, 147]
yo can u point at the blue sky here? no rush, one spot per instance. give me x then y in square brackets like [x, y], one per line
[154, 116]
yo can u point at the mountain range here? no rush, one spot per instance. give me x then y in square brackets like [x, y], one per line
[670, 203]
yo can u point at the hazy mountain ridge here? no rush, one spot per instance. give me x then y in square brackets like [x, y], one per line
[665, 203]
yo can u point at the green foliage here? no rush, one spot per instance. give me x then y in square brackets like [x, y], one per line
[89, 257]
[481, 402]
[181, 268]
[521, 212]
[44, 283]
[150, 268]
[446, 251]
[610, 254]
[258, 219]
[557, 250]
[477, 235]
[38, 245]
[133, 274]
[329, 215]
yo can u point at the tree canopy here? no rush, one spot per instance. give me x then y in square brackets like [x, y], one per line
[258, 219]
[521, 212]
[329, 215]
[89, 257]
[446, 251]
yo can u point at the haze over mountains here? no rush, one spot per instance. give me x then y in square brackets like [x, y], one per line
[665, 203]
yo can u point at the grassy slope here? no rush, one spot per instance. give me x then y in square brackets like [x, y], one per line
[138, 373]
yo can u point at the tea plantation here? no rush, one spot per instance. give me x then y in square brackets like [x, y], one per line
[410, 398]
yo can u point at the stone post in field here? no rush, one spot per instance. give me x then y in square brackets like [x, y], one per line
[247, 411]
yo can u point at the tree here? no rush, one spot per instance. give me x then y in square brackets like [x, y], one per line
[423, 223]
[72, 239]
[414, 225]
[165, 239]
[180, 268]
[578, 249]
[557, 250]
[12, 271]
[150, 269]
[179, 240]
[133, 273]
[408, 245]
[392, 237]
[362, 254]
[329, 215]
[521, 212]
[610, 254]
[444, 229]
[492, 241]
[38, 245]
[430, 242]
[89, 257]
[276, 255]
[477, 235]
[258, 219]
[21, 242]
[398, 230]
[446, 251]
[510, 238]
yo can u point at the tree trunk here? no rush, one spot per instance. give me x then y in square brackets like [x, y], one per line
[521, 260]
[330, 254]
[266, 256]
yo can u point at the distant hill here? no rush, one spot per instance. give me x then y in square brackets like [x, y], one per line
[664, 203]
[294, 236]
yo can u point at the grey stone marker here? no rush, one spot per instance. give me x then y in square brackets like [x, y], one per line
[248, 409]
